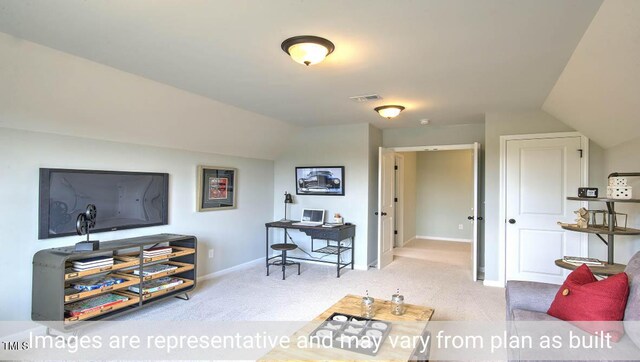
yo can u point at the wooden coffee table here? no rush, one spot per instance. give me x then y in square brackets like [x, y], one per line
[415, 321]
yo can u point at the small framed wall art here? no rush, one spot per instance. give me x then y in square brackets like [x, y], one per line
[216, 189]
[320, 180]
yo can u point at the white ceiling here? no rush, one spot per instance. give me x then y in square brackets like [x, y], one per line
[447, 60]
[598, 91]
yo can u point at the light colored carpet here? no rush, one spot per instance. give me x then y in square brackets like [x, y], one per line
[447, 252]
[249, 295]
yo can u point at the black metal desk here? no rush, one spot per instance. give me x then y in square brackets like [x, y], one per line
[334, 234]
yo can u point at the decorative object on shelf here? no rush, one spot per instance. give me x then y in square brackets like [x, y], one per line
[367, 309]
[397, 303]
[216, 188]
[307, 49]
[619, 192]
[338, 219]
[615, 220]
[588, 192]
[389, 111]
[583, 217]
[85, 222]
[617, 181]
[594, 216]
[618, 186]
[320, 180]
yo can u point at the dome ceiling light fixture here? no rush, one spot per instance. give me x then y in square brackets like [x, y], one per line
[389, 111]
[307, 49]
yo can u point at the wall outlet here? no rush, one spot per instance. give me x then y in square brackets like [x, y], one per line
[210, 253]
[460, 227]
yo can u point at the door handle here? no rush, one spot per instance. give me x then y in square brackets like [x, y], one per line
[382, 213]
[512, 221]
[480, 218]
[469, 217]
[375, 213]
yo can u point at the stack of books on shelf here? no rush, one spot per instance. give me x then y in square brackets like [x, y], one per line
[93, 304]
[85, 285]
[92, 263]
[154, 269]
[159, 251]
[156, 285]
[578, 260]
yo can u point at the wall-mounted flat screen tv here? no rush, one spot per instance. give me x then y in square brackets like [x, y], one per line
[124, 200]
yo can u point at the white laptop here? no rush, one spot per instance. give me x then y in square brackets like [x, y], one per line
[311, 217]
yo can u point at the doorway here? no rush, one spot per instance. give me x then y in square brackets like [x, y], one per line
[434, 208]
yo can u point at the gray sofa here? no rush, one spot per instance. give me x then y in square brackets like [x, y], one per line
[529, 301]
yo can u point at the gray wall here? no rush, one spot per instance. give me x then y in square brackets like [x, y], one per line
[624, 158]
[433, 135]
[444, 193]
[346, 146]
[236, 235]
[496, 125]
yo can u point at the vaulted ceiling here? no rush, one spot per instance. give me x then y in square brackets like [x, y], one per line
[598, 92]
[447, 60]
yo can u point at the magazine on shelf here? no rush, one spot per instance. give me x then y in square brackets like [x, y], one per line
[154, 269]
[96, 283]
[579, 264]
[582, 260]
[156, 285]
[94, 260]
[93, 266]
[156, 252]
[93, 304]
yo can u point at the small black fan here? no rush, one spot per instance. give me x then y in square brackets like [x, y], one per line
[85, 222]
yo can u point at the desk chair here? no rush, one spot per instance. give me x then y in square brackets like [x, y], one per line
[284, 247]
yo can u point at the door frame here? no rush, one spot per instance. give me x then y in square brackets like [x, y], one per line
[399, 195]
[502, 205]
[475, 265]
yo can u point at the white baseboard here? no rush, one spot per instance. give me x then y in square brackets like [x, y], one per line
[410, 240]
[493, 283]
[443, 239]
[242, 266]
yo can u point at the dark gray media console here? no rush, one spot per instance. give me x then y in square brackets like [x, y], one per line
[53, 274]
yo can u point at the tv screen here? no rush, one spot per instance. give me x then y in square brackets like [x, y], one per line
[124, 200]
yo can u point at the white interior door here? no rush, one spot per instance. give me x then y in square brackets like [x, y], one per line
[386, 187]
[540, 174]
[475, 216]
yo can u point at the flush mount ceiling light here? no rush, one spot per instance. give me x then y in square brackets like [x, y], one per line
[389, 111]
[307, 49]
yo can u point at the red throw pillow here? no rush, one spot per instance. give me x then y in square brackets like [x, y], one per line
[594, 306]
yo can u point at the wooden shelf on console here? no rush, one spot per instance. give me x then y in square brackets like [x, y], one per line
[133, 299]
[186, 283]
[606, 269]
[119, 262]
[602, 199]
[130, 280]
[602, 230]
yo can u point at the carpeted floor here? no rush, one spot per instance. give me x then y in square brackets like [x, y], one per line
[249, 295]
[448, 252]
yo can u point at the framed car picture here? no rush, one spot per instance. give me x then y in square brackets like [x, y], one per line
[320, 180]
[216, 189]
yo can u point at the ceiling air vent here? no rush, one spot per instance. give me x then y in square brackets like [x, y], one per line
[365, 98]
